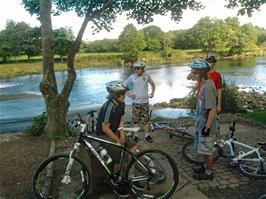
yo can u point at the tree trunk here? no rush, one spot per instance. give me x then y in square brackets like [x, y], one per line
[56, 114]
[56, 104]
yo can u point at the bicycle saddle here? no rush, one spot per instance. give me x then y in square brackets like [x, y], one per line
[263, 144]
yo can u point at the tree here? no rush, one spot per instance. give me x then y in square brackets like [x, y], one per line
[131, 42]
[102, 14]
[105, 45]
[63, 39]
[153, 37]
[32, 44]
[245, 7]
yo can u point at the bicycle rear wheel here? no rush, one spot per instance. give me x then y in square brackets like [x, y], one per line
[190, 154]
[251, 168]
[48, 179]
[156, 177]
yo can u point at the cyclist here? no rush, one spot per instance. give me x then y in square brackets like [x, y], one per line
[138, 83]
[216, 77]
[110, 118]
[205, 118]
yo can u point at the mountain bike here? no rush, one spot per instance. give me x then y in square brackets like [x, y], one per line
[171, 128]
[251, 161]
[67, 176]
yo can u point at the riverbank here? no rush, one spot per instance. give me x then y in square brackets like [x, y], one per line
[23, 67]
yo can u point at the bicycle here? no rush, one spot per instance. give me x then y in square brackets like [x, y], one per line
[171, 129]
[69, 177]
[251, 163]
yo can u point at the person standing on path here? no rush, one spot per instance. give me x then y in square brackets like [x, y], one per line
[205, 119]
[217, 78]
[138, 84]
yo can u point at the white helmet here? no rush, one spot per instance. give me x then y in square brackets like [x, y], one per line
[116, 87]
[140, 64]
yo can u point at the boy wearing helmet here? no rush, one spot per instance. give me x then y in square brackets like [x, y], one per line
[205, 119]
[111, 117]
[138, 83]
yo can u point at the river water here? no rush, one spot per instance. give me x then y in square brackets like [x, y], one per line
[21, 100]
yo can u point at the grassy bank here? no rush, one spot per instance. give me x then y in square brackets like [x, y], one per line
[23, 67]
[258, 116]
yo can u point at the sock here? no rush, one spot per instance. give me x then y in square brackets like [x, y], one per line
[208, 172]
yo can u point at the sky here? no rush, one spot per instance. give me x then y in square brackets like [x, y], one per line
[13, 9]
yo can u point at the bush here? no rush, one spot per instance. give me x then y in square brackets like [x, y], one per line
[230, 102]
[38, 125]
[191, 99]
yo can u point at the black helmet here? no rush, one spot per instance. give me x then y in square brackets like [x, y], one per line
[211, 59]
[116, 88]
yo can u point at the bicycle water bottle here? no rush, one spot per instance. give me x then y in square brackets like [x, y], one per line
[103, 152]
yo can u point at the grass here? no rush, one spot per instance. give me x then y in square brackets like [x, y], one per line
[258, 116]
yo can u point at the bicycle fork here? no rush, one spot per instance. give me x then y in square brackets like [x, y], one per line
[66, 179]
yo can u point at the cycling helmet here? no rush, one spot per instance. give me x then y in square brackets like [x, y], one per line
[116, 87]
[211, 59]
[199, 64]
[140, 64]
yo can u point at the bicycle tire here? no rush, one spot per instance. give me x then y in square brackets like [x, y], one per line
[191, 155]
[161, 175]
[58, 164]
[152, 188]
[251, 168]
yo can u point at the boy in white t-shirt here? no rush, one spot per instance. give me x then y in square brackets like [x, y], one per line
[138, 84]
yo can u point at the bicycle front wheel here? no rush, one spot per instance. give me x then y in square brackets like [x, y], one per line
[190, 153]
[250, 166]
[52, 181]
[153, 174]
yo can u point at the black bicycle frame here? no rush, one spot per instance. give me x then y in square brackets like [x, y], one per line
[85, 139]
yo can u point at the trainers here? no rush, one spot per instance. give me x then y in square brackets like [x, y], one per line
[138, 186]
[121, 193]
[199, 170]
[203, 176]
[149, 139]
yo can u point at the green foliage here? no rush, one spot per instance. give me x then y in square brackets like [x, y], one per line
[62, 135]
[191, 99]
[63, 38]
[101, 46]
[131, 42]
[230, 103]
[103, 13]
[258, 116]
[154, 38]
[38, 125]
[245, 7]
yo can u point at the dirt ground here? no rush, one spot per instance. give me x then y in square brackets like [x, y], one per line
[20, 155]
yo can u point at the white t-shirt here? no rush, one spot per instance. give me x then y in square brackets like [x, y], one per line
[139, 87]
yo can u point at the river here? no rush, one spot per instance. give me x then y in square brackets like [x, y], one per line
[21, 100]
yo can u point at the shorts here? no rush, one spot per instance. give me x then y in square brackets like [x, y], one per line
[204, 145]
[113, 151]
[140, 113]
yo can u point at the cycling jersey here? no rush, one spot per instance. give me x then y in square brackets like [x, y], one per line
[110, 113]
